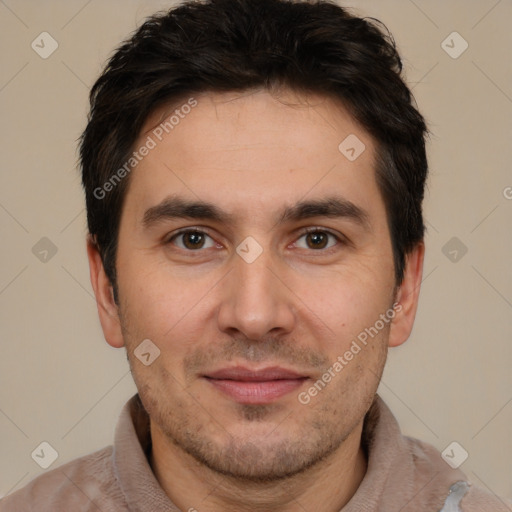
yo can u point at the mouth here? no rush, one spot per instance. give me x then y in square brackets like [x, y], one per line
[262, 386]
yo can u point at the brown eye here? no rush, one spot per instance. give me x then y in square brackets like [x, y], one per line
[318, 239]
[191, 239]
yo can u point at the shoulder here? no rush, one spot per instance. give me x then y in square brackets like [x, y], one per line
[480, 500]
[471, 498]
[85, 484]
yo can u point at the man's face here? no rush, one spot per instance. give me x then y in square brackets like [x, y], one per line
[253, 291]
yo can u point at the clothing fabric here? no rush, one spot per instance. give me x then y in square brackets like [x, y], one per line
[403, 475]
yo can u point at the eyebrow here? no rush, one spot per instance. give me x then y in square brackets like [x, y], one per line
[174, 207]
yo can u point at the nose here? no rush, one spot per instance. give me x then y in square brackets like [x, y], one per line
[256, 299]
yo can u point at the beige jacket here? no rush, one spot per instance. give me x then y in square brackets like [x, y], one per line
[404, 475]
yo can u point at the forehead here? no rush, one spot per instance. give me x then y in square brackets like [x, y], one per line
[253, 149]
[251, 120]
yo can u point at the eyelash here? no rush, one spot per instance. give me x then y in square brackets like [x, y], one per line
[306, 231]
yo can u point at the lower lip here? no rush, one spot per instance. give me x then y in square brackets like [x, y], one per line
[256, 392]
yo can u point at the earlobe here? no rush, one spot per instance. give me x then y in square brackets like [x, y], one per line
[408, 296]
[103, 291]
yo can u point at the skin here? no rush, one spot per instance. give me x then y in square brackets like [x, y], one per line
[296, 306]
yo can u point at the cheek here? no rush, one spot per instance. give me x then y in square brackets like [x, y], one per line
[149, 283]
[347, 300]
[168, 307]
[152, 302]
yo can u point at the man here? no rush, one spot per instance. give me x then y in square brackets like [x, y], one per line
[254, 174]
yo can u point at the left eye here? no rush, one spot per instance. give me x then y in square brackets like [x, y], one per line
[192, 239]
[318, 239]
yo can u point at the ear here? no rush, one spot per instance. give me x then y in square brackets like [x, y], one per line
[107, 308]
[407, 297]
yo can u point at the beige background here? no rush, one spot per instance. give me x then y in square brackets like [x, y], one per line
[61, 383]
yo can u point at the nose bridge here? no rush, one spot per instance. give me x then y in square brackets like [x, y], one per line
[255, 301]
[255, 276]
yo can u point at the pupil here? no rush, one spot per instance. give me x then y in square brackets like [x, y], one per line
[317, 237]
[194, 239]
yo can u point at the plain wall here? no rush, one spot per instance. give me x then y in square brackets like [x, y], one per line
[59, 380]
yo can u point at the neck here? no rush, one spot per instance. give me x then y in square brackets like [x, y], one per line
[191, 486]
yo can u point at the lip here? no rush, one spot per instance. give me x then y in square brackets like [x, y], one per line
[251, 386]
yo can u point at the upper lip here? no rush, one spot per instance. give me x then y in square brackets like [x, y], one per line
[241, 373]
